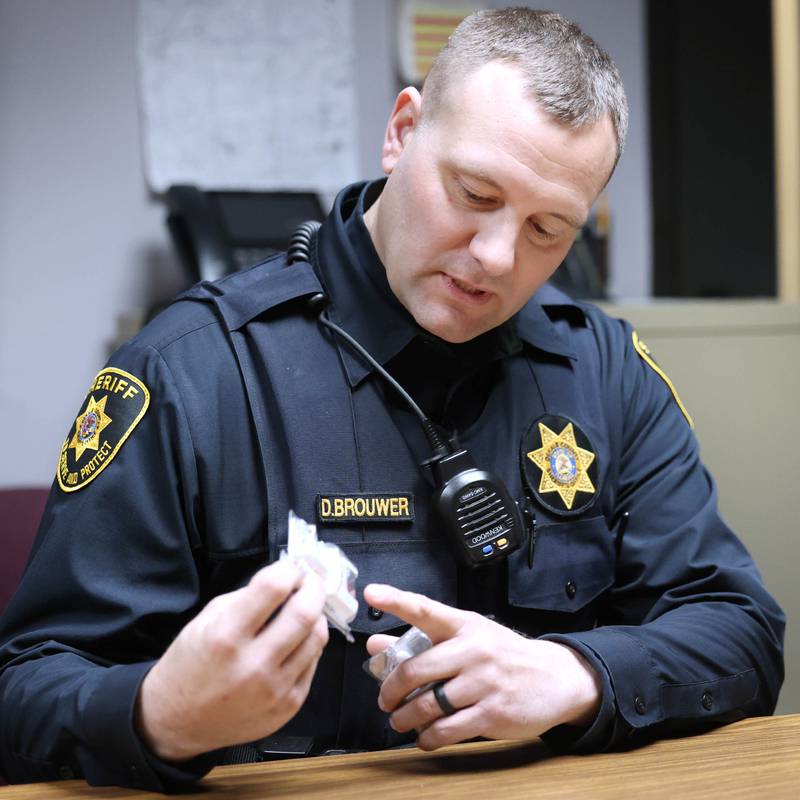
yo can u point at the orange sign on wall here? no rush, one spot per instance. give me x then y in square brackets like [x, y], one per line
[423, 29]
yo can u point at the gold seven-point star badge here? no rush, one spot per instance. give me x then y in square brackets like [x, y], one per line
[89, 425]
[564, 465]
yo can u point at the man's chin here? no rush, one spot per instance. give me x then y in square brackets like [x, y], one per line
[454, 331]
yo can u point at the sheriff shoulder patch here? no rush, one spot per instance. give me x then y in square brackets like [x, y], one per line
[644, 351]
[114, 405]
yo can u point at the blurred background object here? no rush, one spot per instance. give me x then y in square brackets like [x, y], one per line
[423, 27]
[217, 233]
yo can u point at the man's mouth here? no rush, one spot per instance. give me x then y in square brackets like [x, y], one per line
[465, 287]
[466, 290]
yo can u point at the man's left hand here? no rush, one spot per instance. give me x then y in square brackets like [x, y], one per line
[502, 685]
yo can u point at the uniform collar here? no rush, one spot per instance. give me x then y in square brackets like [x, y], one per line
[362, 302]
[535, 324]
[354, 278]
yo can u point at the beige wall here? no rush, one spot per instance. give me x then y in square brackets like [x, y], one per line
[736, 365]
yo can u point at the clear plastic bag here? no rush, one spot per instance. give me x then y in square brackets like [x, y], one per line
[337, 572]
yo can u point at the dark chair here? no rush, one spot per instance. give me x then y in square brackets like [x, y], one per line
[20, 513]
[217, 233]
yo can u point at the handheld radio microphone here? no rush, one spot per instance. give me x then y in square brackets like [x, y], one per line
[481, 520]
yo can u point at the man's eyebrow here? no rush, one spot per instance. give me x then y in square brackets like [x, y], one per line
[573, 222]
[479, 175]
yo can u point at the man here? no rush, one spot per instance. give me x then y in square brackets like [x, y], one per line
[236, 405]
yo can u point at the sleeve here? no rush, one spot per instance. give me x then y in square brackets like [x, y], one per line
[690, 637]
[111, 580]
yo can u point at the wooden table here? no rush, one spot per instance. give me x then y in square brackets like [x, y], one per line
[754, 758]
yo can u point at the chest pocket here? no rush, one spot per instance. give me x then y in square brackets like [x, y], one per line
[416, 566]
[573, 565]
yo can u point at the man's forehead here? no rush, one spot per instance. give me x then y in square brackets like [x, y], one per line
[452, 86]
[493, 101]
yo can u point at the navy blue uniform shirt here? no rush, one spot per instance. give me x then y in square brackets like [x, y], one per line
[235, 405]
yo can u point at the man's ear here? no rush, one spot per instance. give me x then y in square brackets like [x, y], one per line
[403, 121]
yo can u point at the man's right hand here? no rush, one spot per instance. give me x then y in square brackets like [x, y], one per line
[236, 673]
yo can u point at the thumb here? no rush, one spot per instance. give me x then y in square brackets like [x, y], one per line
[378, 642]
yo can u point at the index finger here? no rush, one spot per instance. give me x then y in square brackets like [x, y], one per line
[438, 620]
[260, 599]
[294, 623]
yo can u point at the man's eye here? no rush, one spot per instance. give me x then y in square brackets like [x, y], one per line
[543, 233]
[474, 198]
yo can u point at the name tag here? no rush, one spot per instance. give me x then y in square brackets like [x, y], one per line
[370, 507]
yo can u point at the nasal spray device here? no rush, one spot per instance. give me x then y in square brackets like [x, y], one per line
[410, 644]
[337, 572]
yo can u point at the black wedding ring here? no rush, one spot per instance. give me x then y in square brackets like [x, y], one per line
[441, 699]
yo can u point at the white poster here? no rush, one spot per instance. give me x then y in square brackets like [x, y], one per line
[248, 94]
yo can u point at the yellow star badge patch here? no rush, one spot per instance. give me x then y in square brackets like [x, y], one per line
[566, 464]
[89, 426]
[563, 464]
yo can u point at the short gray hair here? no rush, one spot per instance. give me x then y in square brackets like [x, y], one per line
[572, 78]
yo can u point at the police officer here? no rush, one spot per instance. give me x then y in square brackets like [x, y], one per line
[148, 636]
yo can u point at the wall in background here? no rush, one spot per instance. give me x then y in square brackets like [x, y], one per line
[82, 241]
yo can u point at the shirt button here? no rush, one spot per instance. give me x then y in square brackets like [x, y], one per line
[639, 705]
[571, 589]
[374, 613]
[65, 773]
[707, 701]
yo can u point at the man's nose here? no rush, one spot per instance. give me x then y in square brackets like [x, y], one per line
[494, 245]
